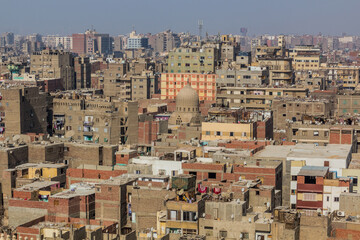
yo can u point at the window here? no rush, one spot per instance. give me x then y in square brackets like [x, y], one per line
[309, 197]
[189, 216]
[293, 206]
[257, 192]
[207, 132]
[222, 234]
[310, 180]
[316, 133]
[245, 235]
[327, 198]
[336, 199]
[137, 172]
[109, 189]
[355, 181]
[231, 134]
[211, 175]
[293, 191]
[218, 133]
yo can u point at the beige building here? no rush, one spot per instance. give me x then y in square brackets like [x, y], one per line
[187, 108]
[295, 109]
[305, 58]
[95, 120]
[280, 70]
[54, 64]
[255, 97]
[240, 131]
[347, 105]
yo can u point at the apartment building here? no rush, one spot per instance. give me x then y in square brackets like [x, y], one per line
[249, 76]
[22, 110]
[255, 97]
[345, 76]
[132, 87]
[204, 84]
[347, 104]
[95, 120]
[82, 67]
[54, 64]
[305, 58]
[193, 59]
[280, 70]
[295, 109]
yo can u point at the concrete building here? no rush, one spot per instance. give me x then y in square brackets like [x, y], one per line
[280, 71]
[249, 76]
[22, 110]
[193, 59]
[305, 58]
[255, 97]
[334, 156]
[98, 120]
[82, 68]
[54, 64]
[295, 109]
[347, 105]
[136, 41]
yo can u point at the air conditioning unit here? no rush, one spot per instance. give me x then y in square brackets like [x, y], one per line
[341, 214]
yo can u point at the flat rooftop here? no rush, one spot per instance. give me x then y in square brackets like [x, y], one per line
[331, 151]
[38, 185]
[313, 171]
[77, 189]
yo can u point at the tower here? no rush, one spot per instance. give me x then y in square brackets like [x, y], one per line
[200, 24]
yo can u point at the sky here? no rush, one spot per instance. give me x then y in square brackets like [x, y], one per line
[64, 17]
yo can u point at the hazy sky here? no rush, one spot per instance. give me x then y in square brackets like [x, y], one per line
[331, 17]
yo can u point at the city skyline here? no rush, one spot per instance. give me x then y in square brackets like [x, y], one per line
[305, 17]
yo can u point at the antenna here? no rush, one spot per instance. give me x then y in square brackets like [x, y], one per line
[200, 24]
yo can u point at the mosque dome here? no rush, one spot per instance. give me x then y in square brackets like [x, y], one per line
[187, 100]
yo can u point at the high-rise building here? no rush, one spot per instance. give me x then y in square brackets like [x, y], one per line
[22, 110]
[9, 38]
[54, 64]
[137, 41]
[91, 43]
[82, 68]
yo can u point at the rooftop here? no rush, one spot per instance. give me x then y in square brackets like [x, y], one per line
[37, 186]
[331, 151]
[313, 171]
[77, 189]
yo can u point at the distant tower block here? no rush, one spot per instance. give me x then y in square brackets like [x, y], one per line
[281, 41]
[243, 31]
[200, 24]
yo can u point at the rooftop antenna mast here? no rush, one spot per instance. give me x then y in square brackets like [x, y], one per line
[200, 24]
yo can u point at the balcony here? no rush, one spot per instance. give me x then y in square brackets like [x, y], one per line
[310, 188]
[88, 123]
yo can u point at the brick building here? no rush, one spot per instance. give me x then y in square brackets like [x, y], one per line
[22, 110]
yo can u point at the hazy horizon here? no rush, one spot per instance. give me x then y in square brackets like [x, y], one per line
[330, 17]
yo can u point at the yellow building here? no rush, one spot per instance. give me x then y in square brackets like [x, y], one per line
[180, 217]
[45, 171]
[305, 58]
[214, 131]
